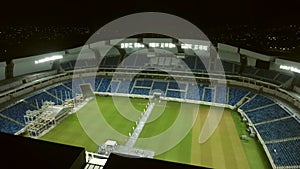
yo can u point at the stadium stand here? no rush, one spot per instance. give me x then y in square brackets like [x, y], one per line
[140, 91]
[235, 95]
[285, 153]
[194, 92]
[125, 86]
[160, 86]
[113, 87]
[61, 93]
[221, 94]
[267, 113]
[104, 85]
[256, 102]
[275, 124]
[281, 129]
[143, 83]
[177, 85]
[39, 98]
[17, 111]
[7, 126]
[208, 94]
[175, 94]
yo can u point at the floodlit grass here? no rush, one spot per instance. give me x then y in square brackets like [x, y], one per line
[223, 150]
[70, 132]
[253, 149]
[181, 153]
[113, 117]
[163, 122]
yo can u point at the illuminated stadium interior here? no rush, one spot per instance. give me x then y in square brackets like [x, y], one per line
[262, 90]
[150, 84]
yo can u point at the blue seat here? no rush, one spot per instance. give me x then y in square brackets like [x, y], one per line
[257, 101]
[18, 111]
[194, 92]
[7, 126]
[235, 95]
[267, 113]
[285, 153]
[281, 129]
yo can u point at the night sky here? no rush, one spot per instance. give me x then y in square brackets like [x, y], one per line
[196, 11]
[206, 14]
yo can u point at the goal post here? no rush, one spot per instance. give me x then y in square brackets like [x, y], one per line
[86, 90]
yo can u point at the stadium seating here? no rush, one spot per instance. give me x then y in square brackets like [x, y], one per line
[8, 126]
[235, 95]
[221, 94]
[74, 85]
[61, 92]
[160, 86]
[208, 94]
[175, 94]
[194, 92]
[143, 82]
[104, 85]
[17, 111]
[113, 87]
[280, 129]
[41, 97]
[140, 91]
[267, 113]
[177, 85]
[285, 153]
[256, 102]
[92, 81]
[125, 86]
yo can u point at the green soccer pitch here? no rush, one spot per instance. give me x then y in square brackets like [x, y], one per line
[224, 149]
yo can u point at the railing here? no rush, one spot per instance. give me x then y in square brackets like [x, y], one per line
[235, 80]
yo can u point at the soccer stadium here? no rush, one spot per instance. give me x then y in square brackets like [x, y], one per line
[181, 101]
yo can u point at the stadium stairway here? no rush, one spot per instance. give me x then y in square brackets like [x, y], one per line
[282, 140]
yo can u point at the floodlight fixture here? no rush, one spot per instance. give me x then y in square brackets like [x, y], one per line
[47, 59]
[290, 68]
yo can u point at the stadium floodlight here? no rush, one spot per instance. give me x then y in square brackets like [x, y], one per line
[47, 59]
[290, 68]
